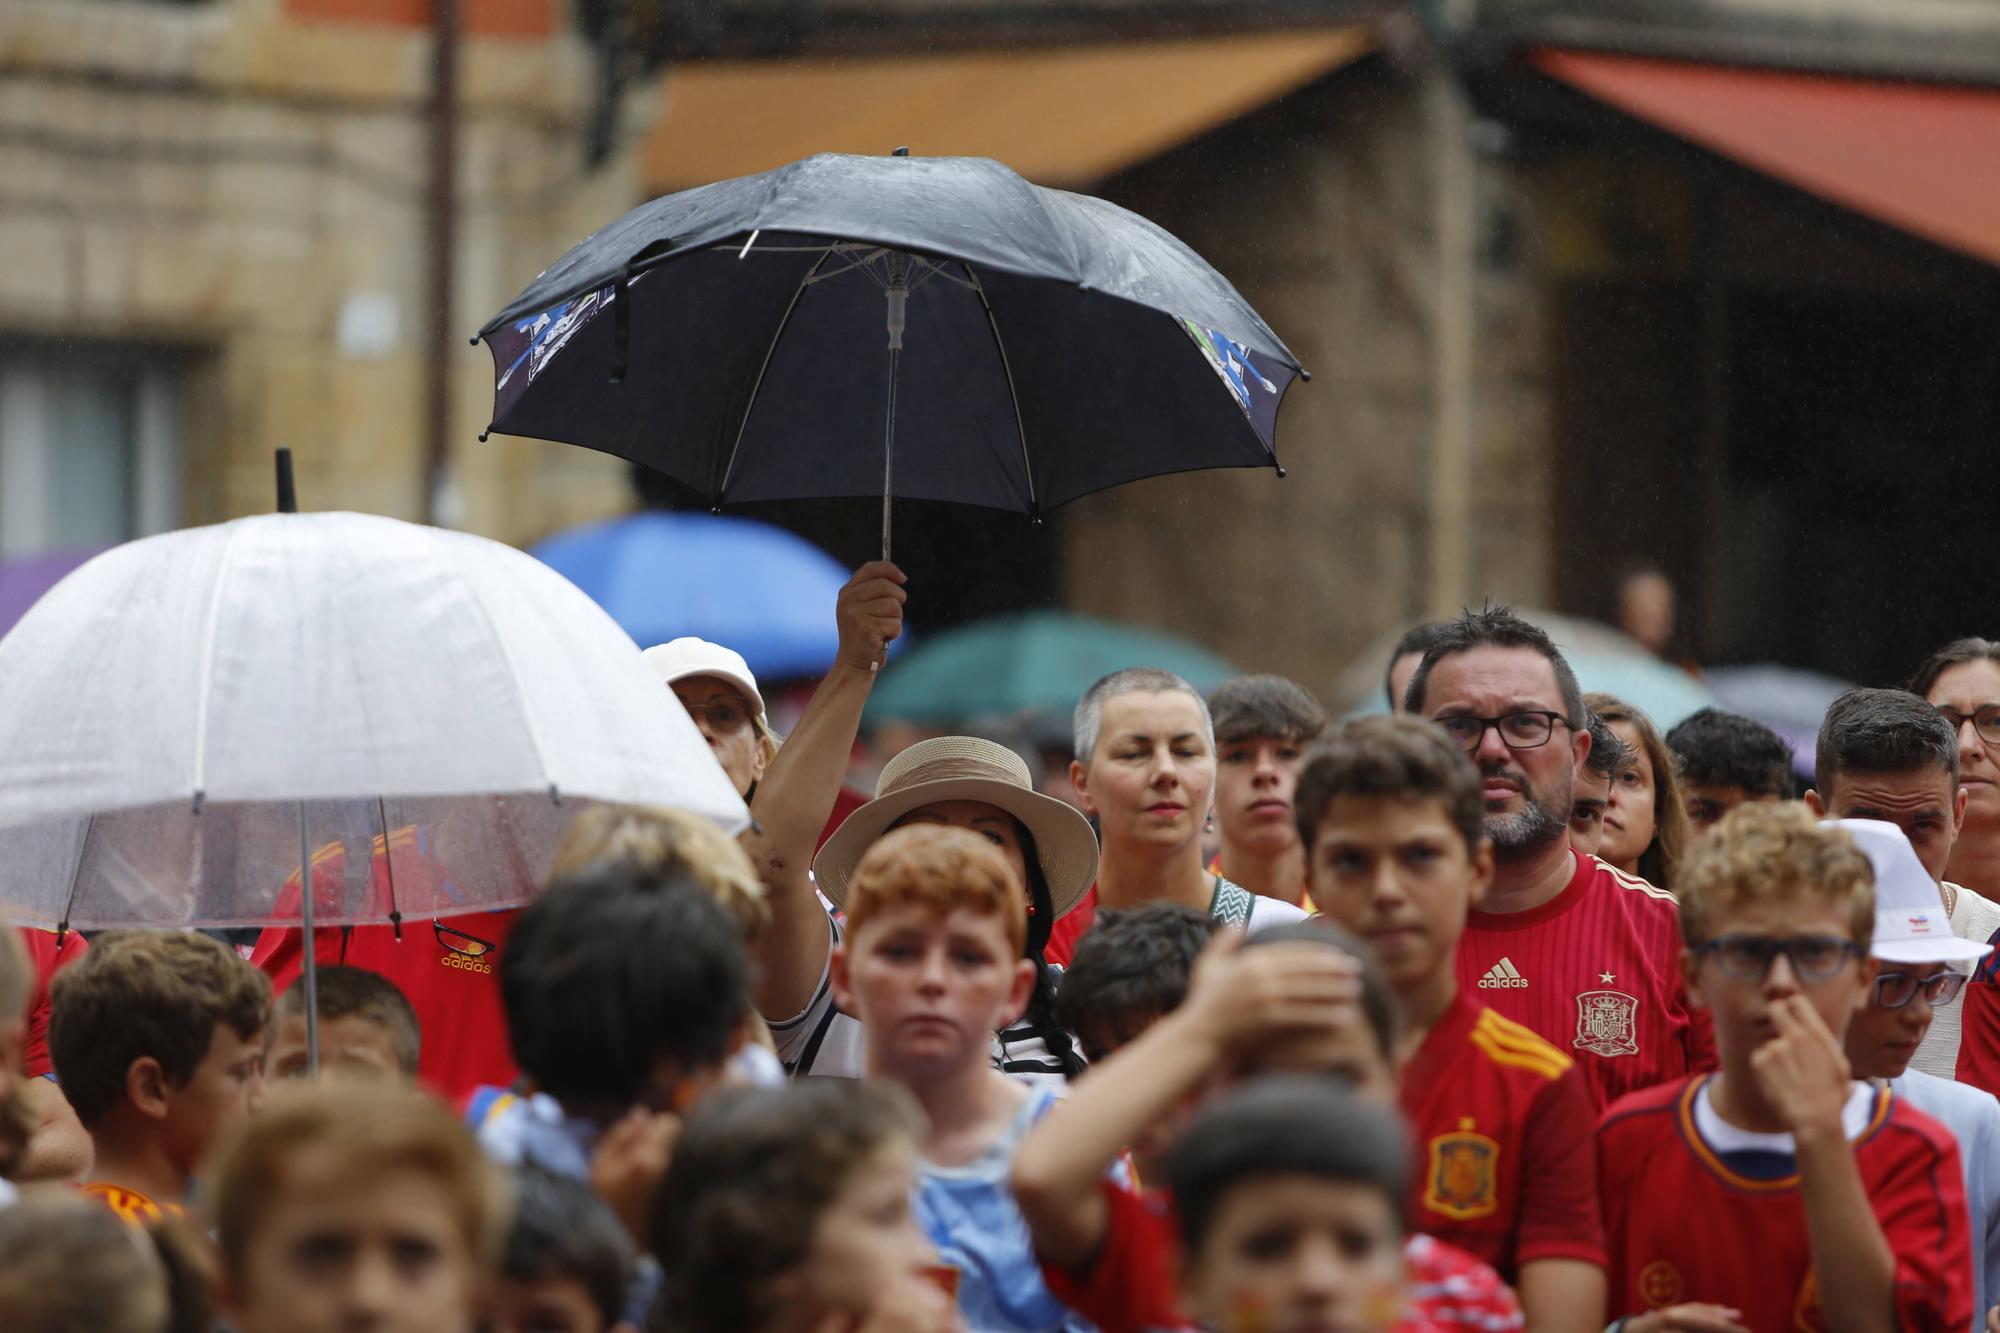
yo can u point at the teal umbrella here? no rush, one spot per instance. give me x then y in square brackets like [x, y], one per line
[1039, 661]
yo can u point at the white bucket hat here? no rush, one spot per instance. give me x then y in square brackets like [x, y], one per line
[1911, 925]
[689, 656]
[965, 768]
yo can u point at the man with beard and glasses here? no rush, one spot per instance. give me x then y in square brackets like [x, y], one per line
[1584, 955]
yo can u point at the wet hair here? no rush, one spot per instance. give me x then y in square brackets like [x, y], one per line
[355, 992]
[1133, 963]
[70, 1265]
[1882, 731]
[1956, 653]
[1416, 639]
[753, 1171]
[1283, 1125]
[1378, 998]
[1251, 708]
[1608, 755]
[612, 971]
[942, 869]
[1760, 853]
[1660, 863]
[1719, 749]
[141, 993]
[1132, 680]
[561, 1230]
[1497, 627]
[350, 1131]
[664, 839]
[1403, 758]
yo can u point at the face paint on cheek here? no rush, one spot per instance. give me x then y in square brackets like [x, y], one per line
[1384, 1302]
[1248, 1313]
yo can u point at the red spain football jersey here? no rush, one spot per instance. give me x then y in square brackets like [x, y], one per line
[132, 1207]
[1501, 1122]
[447, 969]
[48, 957]
[1596, 971]
[1694, 1219]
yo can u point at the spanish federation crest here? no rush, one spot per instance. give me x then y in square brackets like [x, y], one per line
[1607, 1023]
[1463, 1174]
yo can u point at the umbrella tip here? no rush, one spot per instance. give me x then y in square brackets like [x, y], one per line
[903, 151]
[1305, 374]
[485, 435]
[475, 340]
[288, 502]
[1281, 470]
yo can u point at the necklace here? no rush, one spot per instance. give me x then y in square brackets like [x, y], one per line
[1950, 897]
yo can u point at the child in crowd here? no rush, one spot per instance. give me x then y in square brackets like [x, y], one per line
[366, 1028]
[1290, 1195]
[1262, 727]
[625, 990]
[1129, 972]
[355, 1205]
[1300, 998]
[158, 1038]
[1724, 760]
[68, 1265]
[790, 1209]
[567, 1267]
[1391, 813]
[1646, 826]
[932, 964]
[1924, 968]
[1608, 758]
[1779, 1193]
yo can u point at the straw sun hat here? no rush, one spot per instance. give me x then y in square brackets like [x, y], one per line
[964, 768]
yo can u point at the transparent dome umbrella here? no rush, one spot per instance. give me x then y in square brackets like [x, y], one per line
[189, 718]
[929, 327]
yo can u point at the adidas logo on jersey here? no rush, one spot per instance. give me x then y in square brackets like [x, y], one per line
[1503, 975]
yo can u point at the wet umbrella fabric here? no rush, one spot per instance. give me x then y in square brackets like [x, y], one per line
[175, 704]
[738, 338]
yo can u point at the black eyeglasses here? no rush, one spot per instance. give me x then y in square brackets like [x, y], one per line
[1749, 957]
[1986, 722]
[1893, 990]
[1527, 730]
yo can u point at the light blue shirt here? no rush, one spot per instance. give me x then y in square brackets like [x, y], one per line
[1973, 1117]
[970, 1215]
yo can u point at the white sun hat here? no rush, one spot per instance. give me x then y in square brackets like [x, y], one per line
[1911, 925]
[681, 658]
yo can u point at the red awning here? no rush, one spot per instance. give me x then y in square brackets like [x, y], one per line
[1922, 157]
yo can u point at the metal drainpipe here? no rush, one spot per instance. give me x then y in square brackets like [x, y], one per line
[442, 220]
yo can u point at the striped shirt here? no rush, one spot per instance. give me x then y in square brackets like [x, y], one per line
[1595, 971]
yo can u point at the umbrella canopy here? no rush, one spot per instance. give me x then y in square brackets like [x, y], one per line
[1028, 345]
[1788, 700]
[759, 589]
[1604, 660]
[175, 705]
[1040, 661]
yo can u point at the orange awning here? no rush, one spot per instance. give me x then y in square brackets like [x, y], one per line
[1059, 116]
[1922, 157]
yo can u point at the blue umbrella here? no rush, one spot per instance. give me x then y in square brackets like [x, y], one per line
[759, 589]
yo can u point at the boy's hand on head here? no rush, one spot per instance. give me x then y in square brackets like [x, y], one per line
[869, 613]
[1804, 1073]
[1690, 1318]
[1242, 997]
[628, 1164]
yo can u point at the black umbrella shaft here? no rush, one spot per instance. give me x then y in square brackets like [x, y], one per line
[889, 445]
[898, 294]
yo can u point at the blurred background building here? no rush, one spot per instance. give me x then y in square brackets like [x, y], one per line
[1705, 286]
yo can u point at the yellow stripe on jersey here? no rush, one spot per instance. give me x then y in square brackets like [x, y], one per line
[1508, 1043]
[1637, 885]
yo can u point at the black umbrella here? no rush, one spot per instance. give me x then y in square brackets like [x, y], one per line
[782, 331]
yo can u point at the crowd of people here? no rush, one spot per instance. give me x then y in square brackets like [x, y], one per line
[1502, 1011]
